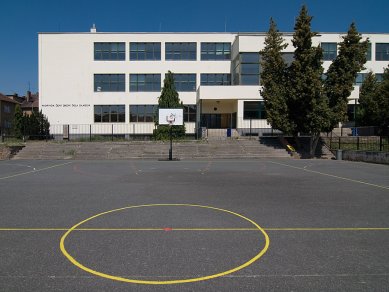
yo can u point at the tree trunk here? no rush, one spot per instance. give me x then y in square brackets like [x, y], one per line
[313, 144]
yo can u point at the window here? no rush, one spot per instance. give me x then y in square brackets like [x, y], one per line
[379, 77]
[7, 109]
[253, 110]
[215, 51]
[143, 113]
[109, 51]
[109, 82]
[382, 52]
[247, 69]
[145, 51]
[189, 113]
[360, 78]
[145, 82]
[368, 52]
[110, 114]
[329, 51]
[215, 79]
[180, 51]
[185, 82]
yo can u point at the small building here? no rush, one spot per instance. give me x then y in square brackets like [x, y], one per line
[7, 110]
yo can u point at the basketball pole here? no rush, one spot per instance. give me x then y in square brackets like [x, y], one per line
[171, 143]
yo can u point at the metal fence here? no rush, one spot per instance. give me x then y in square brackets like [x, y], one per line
[365, 143]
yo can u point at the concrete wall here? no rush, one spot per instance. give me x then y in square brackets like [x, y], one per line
[366, 156]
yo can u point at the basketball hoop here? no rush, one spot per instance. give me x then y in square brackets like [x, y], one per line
[171, 118]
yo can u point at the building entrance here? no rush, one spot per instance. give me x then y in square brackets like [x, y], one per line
[218, 121]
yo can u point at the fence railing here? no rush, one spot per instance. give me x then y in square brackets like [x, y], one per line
[366, 143]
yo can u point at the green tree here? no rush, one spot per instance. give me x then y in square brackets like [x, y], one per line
[367, 111]
[18, 123]
[341, 74]
[373, 107]
[308, 106]
[273, 80]
[169, 98]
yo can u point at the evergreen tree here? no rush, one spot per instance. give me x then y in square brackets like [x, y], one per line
[308, 106]
[367, 113]
[374, 102]
[169, 99]
[18, 123]
[273, 79]
[342, 73]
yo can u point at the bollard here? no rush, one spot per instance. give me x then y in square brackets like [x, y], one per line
[339, 154]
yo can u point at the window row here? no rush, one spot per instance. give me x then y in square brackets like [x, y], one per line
[152, 82]
[138, 113]
[151, 51]
[381, 51]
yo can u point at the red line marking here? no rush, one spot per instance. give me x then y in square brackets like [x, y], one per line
[167, 229]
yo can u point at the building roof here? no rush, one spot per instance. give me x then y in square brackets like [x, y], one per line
[7, 99]
[30, 101]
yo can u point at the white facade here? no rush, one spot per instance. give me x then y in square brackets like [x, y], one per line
[67, 67]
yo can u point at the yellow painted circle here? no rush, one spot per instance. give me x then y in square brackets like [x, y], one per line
[151, 282]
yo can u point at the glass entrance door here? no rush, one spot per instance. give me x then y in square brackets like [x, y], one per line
[218, 121]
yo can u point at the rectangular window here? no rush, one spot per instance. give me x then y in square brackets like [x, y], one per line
[109, 113]
[180, 51]
[143, 113]
[382, 52]
[190, 113]
[215, 51]
[109, 51]
[368, 53]
[145, 82]
[7, 109]
[379, 77]
[109, 82]
[360, 78]
[185, 82]
[253, 110]
[329, 51]
[248, 68]
[145, 51]
[215, 79]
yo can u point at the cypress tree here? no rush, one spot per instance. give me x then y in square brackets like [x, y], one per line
[342, 73]
[367, 113]
[273, 80]
[169, 98]
[18, 123]
[308, 106]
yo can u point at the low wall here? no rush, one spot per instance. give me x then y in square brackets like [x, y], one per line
[366, 156]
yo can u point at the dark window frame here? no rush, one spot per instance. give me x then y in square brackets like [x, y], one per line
[143, 113]
[181, 51]
[382, 51]
[254, 110]
[109, 82]
[145, 51]
[151, 83]
[190, 112]
[329, 54]
[218, 51]
[115, 113]
[109, 51]
[185, 82]
[215, 79]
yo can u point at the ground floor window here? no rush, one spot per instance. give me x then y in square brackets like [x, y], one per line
[143, 113]
[254, 110]
[190, 113]
[110, 113]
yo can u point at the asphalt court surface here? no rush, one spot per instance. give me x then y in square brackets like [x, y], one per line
[227, 225]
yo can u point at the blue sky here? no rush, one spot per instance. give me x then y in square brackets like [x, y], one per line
[21, 20]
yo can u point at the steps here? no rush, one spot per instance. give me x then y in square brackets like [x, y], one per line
[214, 149]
